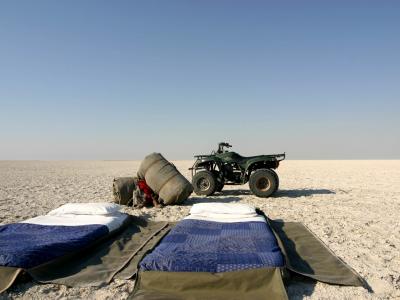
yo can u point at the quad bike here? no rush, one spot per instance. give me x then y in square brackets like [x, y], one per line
[210, 173]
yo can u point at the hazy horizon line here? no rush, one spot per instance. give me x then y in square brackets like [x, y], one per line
[295, 159]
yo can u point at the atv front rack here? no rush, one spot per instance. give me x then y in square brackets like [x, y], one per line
[279, 157]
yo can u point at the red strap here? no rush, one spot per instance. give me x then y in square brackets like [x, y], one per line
[146, 190]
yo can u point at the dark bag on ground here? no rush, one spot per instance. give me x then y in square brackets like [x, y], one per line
[123, 188]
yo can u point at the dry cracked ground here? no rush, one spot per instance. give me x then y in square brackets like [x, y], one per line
[352, 206]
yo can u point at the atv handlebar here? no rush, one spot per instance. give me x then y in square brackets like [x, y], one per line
[221, 147]
[226, 145]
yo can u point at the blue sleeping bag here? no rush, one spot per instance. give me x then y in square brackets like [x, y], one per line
[206, 246]
[25, 245]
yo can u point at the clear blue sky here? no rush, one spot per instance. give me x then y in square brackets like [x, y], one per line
[120, 79]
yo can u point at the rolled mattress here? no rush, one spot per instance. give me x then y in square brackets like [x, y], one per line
[123, 188]
[164, 179]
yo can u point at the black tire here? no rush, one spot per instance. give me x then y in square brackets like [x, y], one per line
[219, 184]
[263, 182]
[277, 180]
[219, 187]
[204, 183]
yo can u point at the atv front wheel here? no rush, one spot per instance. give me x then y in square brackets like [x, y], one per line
[219, 183]
[204, 183]
[263, 183]
[219, 187]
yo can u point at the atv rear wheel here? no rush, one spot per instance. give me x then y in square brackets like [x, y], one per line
[204, 183]
[263, 182]
[277, 179]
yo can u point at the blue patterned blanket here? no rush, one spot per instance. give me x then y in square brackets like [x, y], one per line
[205, 246]
[25, 245]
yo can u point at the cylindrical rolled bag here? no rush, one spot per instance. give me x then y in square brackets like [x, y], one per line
[123, 188]
[164, 179]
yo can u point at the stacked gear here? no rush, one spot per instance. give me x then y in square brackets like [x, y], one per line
[158, 182]
[132, 191]
[164, 179]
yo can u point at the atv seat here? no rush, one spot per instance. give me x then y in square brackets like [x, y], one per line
[243, 162]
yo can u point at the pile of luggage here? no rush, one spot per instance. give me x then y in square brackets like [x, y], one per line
[158, 183]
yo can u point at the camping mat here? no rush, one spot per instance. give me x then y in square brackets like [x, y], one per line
[262, 283]
[131, 267]
[307, 255]
[99, 264]
[119, 255]
[304, 253]
[7, 277]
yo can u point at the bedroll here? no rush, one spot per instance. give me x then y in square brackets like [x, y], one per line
[123, 188]
[164, 179]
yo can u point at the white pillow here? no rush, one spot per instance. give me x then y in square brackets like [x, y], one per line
[224, 216]
[222, 208]
[86, 209]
